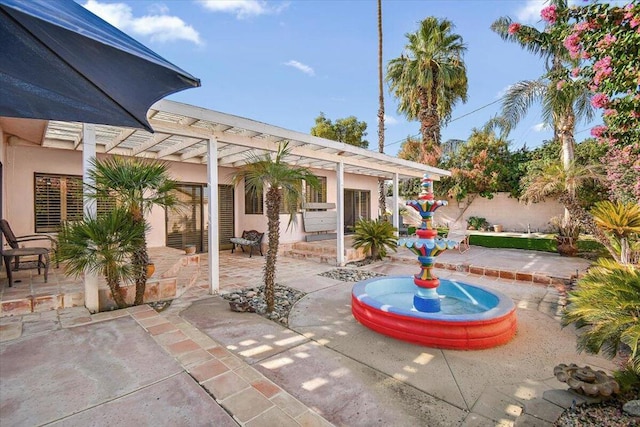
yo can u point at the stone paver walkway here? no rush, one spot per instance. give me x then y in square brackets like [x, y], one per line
[325, 369]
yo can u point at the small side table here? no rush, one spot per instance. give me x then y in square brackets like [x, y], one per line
[43, 260]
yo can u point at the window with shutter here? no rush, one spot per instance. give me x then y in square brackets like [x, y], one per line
[60, 198]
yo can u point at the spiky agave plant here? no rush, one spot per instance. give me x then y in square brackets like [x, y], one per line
[375, 236]
[104, 245]
[605, 308]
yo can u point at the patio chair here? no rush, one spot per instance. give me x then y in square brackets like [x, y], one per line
[14, 241]
[459, 235]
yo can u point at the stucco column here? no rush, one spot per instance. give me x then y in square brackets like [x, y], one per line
[212, 190]
[394, 210]
[340, 212]
[91, 298]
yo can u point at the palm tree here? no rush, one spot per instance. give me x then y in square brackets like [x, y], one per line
[429, 78]
[283, 183]
[563, 102]
[137, 186]
[382, 202]
[103, 245]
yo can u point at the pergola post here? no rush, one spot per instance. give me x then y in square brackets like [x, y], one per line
[395, 213]
[212, 190]
[91, 295]
[340, 212]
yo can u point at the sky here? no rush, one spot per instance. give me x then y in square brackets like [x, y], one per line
[285, 62]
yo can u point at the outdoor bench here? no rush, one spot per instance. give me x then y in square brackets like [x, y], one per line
[251, 238]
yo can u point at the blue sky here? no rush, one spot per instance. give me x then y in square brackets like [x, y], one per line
[284, 62]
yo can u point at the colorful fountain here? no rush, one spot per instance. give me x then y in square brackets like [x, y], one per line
[426, 310]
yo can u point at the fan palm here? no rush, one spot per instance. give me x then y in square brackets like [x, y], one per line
[429, 78]
[622, 220]
[103, 245]
[606, 307]
[137, 186]
[283, 183]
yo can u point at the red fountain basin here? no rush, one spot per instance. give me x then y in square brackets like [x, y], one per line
[471, 318]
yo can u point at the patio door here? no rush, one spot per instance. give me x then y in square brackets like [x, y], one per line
[357, 205]
[188, 224]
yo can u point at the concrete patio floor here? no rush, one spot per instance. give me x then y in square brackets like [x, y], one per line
[198, 363]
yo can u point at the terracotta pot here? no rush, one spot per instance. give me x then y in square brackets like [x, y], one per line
[151, 268]
[190, 249]
[567, 249]
[497, 228]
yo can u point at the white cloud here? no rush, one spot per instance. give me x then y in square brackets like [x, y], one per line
[503, 91]
[242, 8]
[530, 12]
[390, 120]
[541, 127]
[159, 26]
[300, 66]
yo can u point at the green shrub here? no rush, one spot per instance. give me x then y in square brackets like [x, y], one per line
[375, 236]
[477, 222]
[604, 307]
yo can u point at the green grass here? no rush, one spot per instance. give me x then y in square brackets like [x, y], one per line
[530, 243]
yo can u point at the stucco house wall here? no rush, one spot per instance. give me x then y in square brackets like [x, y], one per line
[504, 210]
[23, 159]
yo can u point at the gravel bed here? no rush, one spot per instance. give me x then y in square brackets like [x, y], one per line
[606, 414]
[350, 274]
[284, 299]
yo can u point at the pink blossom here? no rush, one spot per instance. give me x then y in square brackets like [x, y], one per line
[560, 84]
[635, 114]
[549, 14]
[606, 41]
[585, 55]
[599, 100]
[602, 64]
[580, 27]
[634, 22]
[575, 72]
[598, 131]
[514, 28]
[610, 112]
[572, 43]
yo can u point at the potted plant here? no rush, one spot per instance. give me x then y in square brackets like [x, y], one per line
[568, 231]
[375, 236]
[477, 223]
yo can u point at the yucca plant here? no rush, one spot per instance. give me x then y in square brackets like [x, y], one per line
[605, 307]
[620, 221]
[104, 245]
[375, 236]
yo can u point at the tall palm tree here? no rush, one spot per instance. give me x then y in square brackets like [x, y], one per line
[382, 202]
[103, 245]
[563, 102]
[429, 78]
[137, 186]
[283, 183]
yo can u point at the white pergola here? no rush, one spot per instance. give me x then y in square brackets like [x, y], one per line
[190, 134]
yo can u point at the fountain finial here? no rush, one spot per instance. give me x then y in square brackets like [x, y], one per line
[427, 246]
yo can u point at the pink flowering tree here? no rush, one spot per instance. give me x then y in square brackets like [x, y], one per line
[607, 40]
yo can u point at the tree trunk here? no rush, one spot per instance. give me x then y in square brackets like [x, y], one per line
[140, 259]
[273, 227]
[382, 202]
[565, 127]
[114, 287]
[429, 128]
